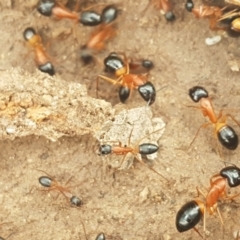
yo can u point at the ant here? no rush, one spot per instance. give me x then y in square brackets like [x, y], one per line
[213, 13]
[100, 35]
[143, 149]
[128, 81]
[53, 185]
[165, 7]
[225, 134]
[41, 57]
[192, 212]
[88, 18]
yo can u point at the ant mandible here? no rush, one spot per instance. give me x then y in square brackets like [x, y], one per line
[225, 134]
[41, 57]
[128, 81]
[143, 149]
[53, 185]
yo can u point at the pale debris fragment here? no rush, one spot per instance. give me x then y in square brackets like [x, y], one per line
[137, 122]
[232, 63]
[144, 195]
[37, 104]
[213, 40]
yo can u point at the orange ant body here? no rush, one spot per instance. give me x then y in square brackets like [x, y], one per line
[97, 41]
[127, 80]
[143, 149]
[191, 213]
[41, 57]
[225, 134]
[53, 185]
[212, 13]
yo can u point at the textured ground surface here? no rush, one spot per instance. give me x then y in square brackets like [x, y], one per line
[135, 203]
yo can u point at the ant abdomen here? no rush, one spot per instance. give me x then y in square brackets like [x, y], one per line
[227, 137]
[148, 148]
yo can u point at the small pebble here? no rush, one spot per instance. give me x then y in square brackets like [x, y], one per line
[213, 40]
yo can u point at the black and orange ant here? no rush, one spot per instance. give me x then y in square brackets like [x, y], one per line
[142, 149]
[225, 134]
[97, 42]
[165, 7]
[191, 213]
[128, 81]
[103, 33]
[53, 185]
[41, 57]
[88, 18]
[214, 14]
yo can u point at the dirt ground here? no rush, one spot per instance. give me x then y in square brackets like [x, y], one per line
[112, 200]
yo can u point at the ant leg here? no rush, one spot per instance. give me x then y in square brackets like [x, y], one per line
[151, 168]
[200, 192]
[224, 118]
[231, 197]
[195, 229]
[114, 82]
[220, 216]
[202, 126]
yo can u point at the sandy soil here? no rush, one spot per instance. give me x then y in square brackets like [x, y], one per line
[113, 201]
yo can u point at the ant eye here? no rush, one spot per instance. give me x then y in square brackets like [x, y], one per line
[197, 92]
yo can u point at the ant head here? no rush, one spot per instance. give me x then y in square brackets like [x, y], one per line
[232, 173]
[188, 216]
[76, 201]
[148, 64]
[90, 18]
[124, 93]
[45, 7]
[100, 236]
[109, 14]
[169, 16]
[29, 33]
[105, 149]
[113, 63]
[148, 92]
[189, 5]
[197, 92]
[45, 181]
[47, 68]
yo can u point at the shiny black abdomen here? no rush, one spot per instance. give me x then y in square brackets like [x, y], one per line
[148, 92]
[148, 148]
[188, 216]
[228, 138]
